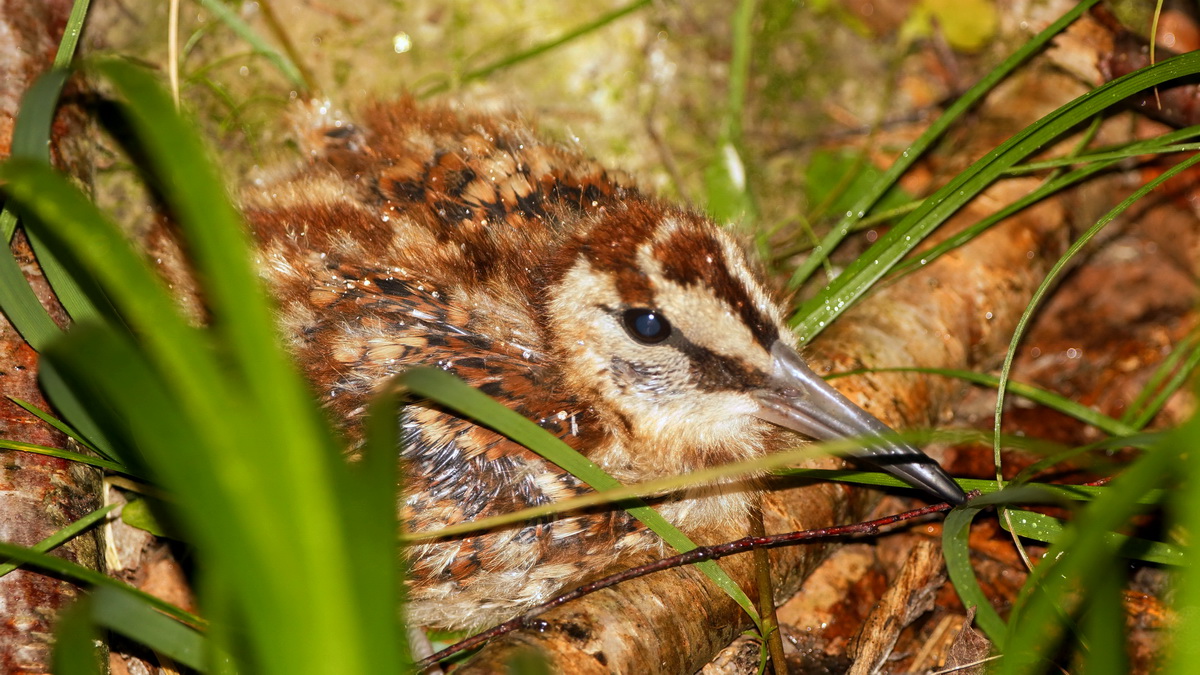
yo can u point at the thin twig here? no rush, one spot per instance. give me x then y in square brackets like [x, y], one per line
[529, 619]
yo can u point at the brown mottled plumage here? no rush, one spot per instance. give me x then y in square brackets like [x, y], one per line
[631, 329]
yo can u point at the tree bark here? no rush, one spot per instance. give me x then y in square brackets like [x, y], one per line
[38, 495]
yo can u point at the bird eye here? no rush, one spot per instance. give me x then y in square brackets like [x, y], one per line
[647, 326]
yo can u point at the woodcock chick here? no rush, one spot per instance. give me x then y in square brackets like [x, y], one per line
[633, 330]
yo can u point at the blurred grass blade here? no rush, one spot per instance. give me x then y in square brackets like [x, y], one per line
[75, 642]
[217, 237]
[221, 416]
[868, 268]
[452, 392]
[124, 614]
[80, 416]
[140, 513]
[1084, 552]
[1183, 652]
[931, 135]
[1157, 392]
[225, 14]
[538, 49]
[95, 242]
[31, 140]
[1103, 627]
[374, 481]
[726, 184]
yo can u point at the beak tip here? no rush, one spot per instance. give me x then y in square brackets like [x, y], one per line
[930, 477]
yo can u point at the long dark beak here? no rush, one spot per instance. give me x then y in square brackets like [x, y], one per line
[796, 398]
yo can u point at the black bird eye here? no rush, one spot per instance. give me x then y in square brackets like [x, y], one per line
[647, 326]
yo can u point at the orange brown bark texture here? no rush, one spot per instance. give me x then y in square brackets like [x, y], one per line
[38, 495]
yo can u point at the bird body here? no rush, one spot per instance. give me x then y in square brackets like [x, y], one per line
[635, 331]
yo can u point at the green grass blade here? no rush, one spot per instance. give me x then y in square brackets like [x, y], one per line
[1092, 165]
[125, 614]
[63, 535]
[226, 15]
[31, 140]
[88, 577]
[71, 34]
[539, 49]
[968, 234]
[63, 454]
[75, 640]
[955, 532]
[1183, 651]
[927, 139]
[1049, 492]
[1084, 552]
[1045, 528]
[1153, 146]
[1056, 270]
[455, 394]
[20, 304]
[1038, 395]
[860, 275]
[54, 422]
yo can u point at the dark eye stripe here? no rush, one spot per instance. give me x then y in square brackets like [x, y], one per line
[711, 371]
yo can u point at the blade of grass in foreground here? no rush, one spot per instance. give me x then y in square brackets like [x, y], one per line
[454, 393]
[75, 640]
[263, 494]
[31, 140]
[1081, 556]
[1184, 646]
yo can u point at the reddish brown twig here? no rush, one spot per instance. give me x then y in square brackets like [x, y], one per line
[529, 619]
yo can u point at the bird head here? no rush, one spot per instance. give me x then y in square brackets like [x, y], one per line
[655, 315]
